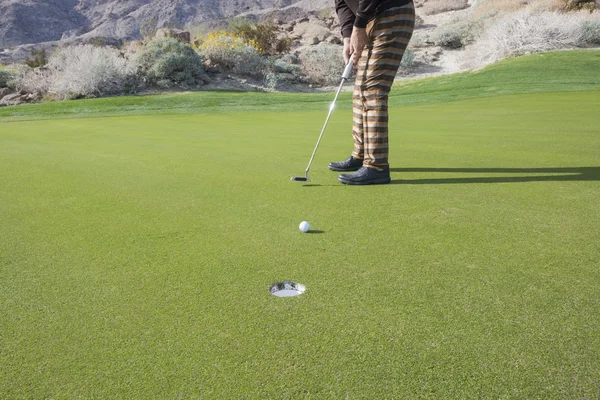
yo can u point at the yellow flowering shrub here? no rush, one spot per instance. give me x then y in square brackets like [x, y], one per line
[229, 51]
[223, 38]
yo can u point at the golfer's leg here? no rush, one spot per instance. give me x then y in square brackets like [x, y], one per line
[388, 39]
[357, 119]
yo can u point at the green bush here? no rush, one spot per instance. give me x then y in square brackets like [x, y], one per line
[457, 35]
[167, 61]
[590, 32]
[6, 78]
[448, 38]
[407, 59]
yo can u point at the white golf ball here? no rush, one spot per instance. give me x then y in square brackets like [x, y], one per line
[304, 226]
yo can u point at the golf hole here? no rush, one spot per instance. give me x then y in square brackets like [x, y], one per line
[287, 289]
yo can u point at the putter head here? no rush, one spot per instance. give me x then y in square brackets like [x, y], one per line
[300, 178]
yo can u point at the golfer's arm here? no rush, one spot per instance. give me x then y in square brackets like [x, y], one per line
[345, 16]
[365, 11]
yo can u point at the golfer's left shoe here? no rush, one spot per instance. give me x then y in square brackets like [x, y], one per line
[366, 176]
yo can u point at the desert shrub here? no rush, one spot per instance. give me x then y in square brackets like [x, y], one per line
[7, 77]
[37, 80]
[148, 29]
[419, 21]
[284, 70]
[287, 64]
[81, 71]
[590, 32]
[457, 35]
[38, 59]
[274, 80]
[238, 24]
[577, 5]
[407, 59]
[407, 63]
[448, 37]
[323, 63]
[266, 35]
[526, 33]
[197, 31]
[419, 39]
[231, 53]
[167, 62]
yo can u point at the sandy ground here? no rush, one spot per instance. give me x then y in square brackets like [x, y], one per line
[432, 61]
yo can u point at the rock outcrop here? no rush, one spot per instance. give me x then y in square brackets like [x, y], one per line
[35, 21]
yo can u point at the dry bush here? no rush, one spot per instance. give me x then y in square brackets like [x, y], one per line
[536, 6]
[458, 34]
[577, 5]
[527, 33]
[438, 6]
[81, 71]
[35, 80]
[323, 64]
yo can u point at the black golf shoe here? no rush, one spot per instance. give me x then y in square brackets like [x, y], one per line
[366, 176]
[349, 164]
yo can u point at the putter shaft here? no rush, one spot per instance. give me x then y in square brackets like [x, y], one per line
[345, 77]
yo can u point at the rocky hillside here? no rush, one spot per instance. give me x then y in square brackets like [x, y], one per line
[34, 21]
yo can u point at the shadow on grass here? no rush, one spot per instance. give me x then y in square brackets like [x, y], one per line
[319, 185]
[316, 232]
[558, 174]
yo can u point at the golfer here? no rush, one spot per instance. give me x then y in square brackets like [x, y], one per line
[376, 34]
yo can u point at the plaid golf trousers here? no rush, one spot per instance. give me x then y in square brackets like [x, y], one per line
[388, 37]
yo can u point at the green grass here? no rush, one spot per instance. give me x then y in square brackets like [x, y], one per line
[136, 253]
[552, 72]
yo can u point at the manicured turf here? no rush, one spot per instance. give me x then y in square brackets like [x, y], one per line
[136, 254]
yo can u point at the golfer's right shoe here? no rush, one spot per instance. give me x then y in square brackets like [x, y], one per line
[366, 176]
[349, 164]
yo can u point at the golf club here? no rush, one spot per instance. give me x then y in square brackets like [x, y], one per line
[345, 77]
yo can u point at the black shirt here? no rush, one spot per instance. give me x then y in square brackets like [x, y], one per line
[359, 12]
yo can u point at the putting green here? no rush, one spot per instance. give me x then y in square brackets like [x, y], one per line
[136, 254]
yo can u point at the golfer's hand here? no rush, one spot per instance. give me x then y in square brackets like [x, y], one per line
[347, 50]
[358, 40]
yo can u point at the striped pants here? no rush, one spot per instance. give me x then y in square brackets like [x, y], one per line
[388, 37]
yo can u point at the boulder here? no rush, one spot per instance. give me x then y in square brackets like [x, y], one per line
[311, 33]
[12, 99]
[33, 97]
[182, 36]
[4, 92]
